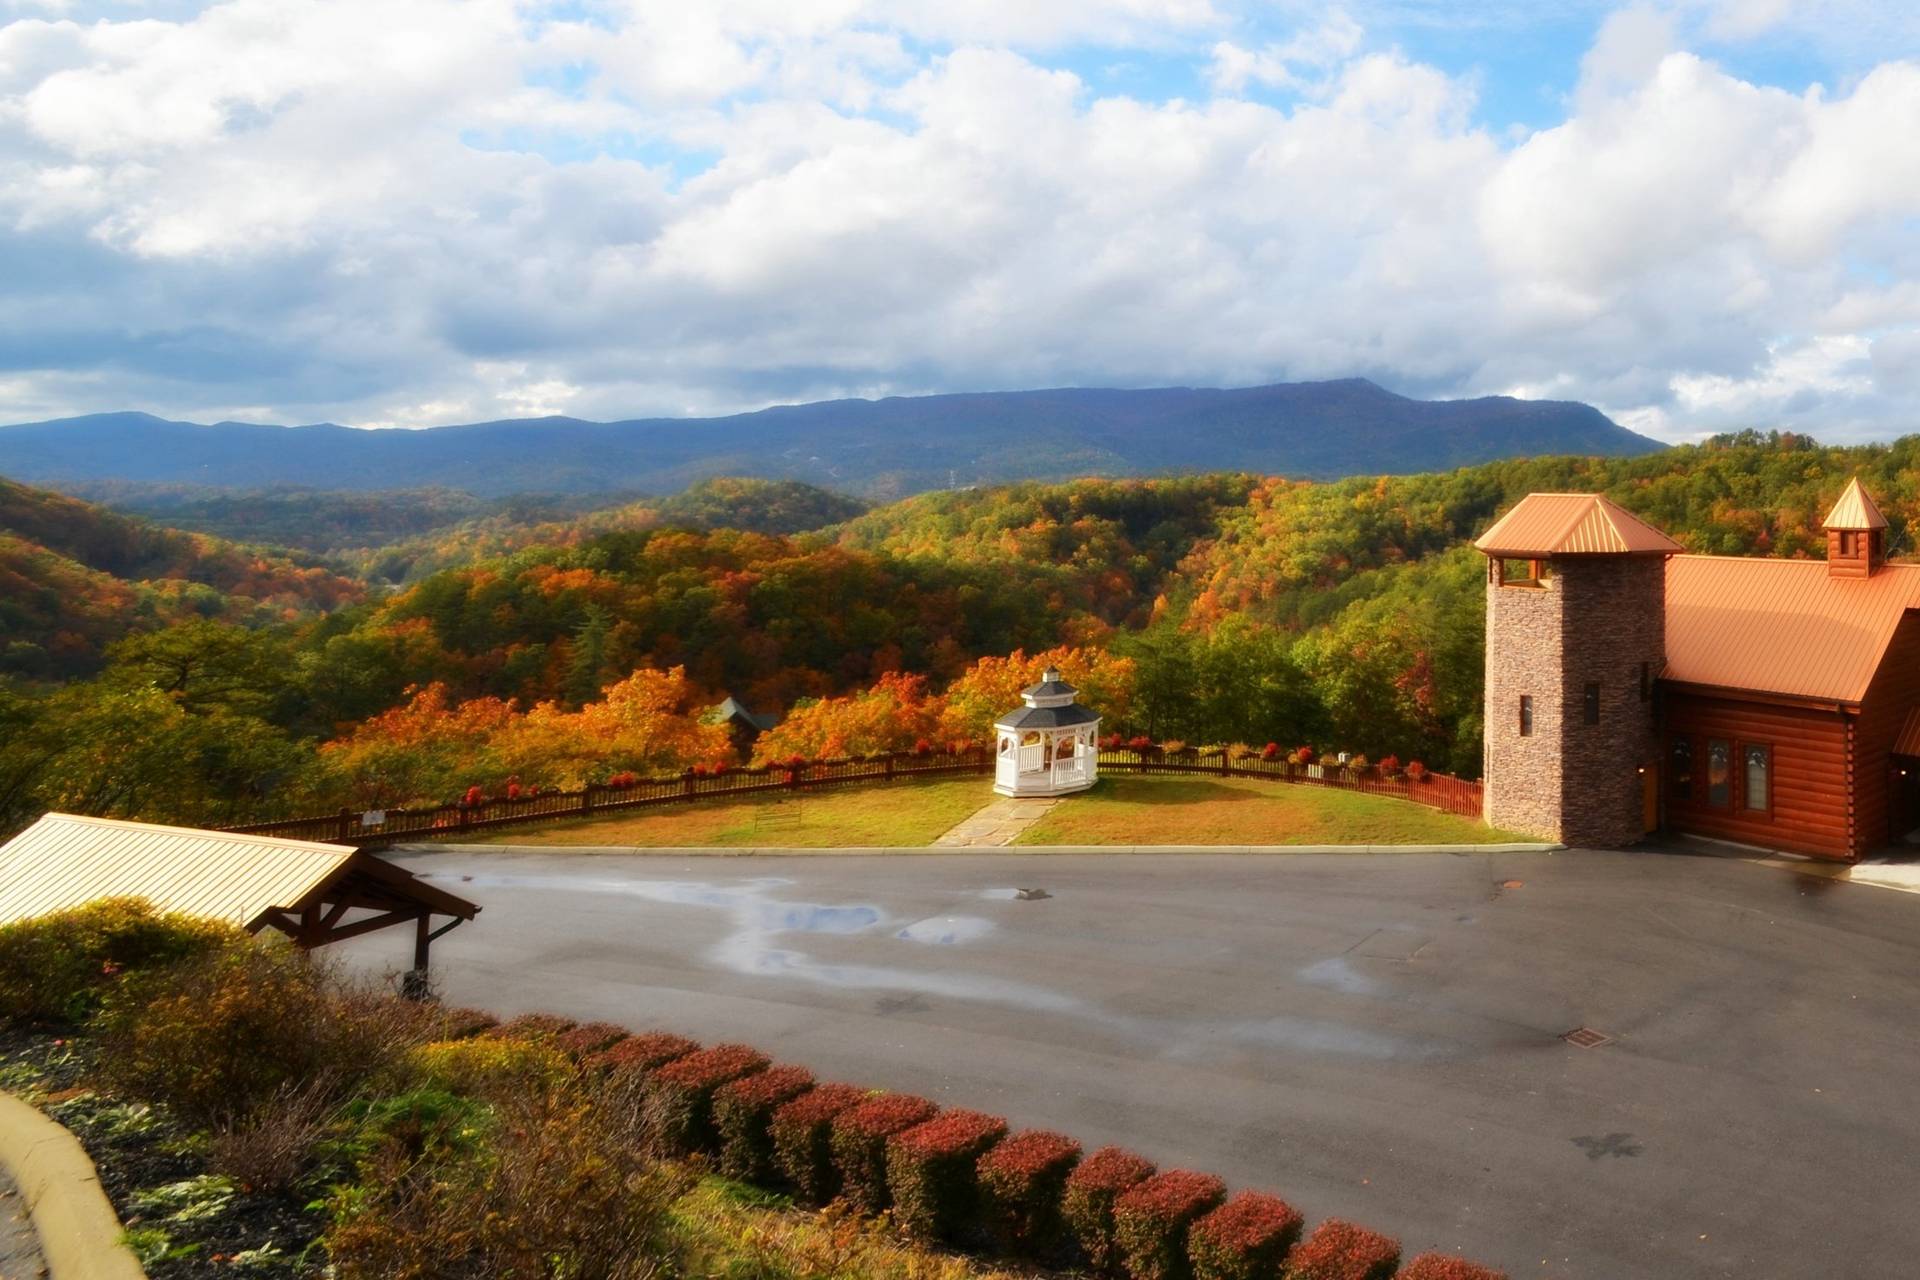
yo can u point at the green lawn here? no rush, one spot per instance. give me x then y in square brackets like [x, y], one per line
[1124, 809]
[1132, 809]
[859, 816]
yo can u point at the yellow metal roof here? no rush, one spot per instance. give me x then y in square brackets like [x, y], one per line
[1563, 524]
[65, 861]
[1855, 510]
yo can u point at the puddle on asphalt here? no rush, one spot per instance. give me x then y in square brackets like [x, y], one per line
[759, 919]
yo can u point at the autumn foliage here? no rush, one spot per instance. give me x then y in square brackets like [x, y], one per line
[930, 1171]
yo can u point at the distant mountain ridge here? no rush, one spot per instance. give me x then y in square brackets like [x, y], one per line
[875, 448]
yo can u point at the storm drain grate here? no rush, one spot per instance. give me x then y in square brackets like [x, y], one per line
[1586, 1038]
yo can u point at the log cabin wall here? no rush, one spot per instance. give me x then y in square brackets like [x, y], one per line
[1810, 805]
[1894, 692]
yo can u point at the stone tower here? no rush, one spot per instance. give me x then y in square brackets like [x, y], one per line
[1576, 637]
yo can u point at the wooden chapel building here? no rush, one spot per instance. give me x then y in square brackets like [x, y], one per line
[1632, 688]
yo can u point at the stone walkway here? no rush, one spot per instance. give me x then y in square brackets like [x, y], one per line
[997, 825]
[19, 1248]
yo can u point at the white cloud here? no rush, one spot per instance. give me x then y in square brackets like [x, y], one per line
[415, 211]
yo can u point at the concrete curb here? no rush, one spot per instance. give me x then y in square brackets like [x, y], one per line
[78, 1229]
[939, 851]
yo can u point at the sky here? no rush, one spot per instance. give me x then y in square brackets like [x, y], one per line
[1698, 215]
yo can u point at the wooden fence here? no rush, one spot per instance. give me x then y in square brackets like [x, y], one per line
[391, 826]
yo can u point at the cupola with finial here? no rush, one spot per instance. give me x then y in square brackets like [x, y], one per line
[1856, 534]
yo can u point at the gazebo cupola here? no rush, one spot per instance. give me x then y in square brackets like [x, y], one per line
[1856, 534]
[1050, 746]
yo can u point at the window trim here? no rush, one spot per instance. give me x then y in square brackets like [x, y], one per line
[1741, 805]
[1674, 794]
[1731, 803]
[1536, 571]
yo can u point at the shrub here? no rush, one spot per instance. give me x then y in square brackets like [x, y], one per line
[1416, 770]
[542, 1182]
[1244, 1239]
[1150, 1221]
[1339, 1250]
[58, 967]
[221, 1035]
[270, 1149]
[532, 1026]
[860, 1144]
[679, 1095]
[1087, 1205]
[1270, 752]
[1442, 1266]
[486, 1066]
[637, 1056]
[802, 1131]
[1389, 763]
[1021, 1182]
[742, 1112]
[458, 1024]
[589, 1038]
[930, 1171]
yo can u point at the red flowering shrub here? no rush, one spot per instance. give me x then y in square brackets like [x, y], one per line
[1389, 764]
[930, 1171]
[1150, 1221]
[860, 1144]
[1442, 1266]
[589, 1038]
[1087, 1203]
[1341, 1251]
[802, 1133]
[532, 1026]
[1270, 752]
[623, 780]
[742, 1111]
[1142, 743]
[698, 770]
[638, 1055]
[679, 1094]
[1244, 1239]
[513, 787]
[474, 798]
[922, 747]
[1021, 1182]
[1416, 770]
[1109, 741]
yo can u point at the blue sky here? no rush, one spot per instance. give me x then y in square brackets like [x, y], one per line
[1696, 215]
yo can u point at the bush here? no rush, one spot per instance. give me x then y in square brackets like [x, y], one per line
[930, 1172]
[860, 1136]
[221, 1035]
[679, 1095]
[589, 1038]
[742, 1112]
[802, 1134]
[1150, 1221]
[1339, 1250]
[638, 1056]
[1087, 1205]
[1021, 1182]
[543, 1183]
[458, 1024]
[57, 968]
[1244, 1239]
[1442, 1266]
[532, 1026]
[487, 1067]
[272, 1148]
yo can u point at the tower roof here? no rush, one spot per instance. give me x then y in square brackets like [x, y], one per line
[1855, 510]
[1565, 524]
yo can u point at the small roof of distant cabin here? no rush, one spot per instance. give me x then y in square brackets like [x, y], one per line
[1855, 511]
[65, 860]
[1569, 524]
[733, 709]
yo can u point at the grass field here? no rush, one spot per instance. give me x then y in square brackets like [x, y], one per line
[1123, 809]
[894, 814]
[1129, 809]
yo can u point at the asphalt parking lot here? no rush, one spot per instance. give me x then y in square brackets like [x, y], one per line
[1378, 1037]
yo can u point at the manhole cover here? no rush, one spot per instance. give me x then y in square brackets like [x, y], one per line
[1586, 1038]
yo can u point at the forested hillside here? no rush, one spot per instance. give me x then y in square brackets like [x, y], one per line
[1215, 609]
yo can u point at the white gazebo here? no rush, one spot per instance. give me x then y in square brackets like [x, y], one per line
[1049, 747]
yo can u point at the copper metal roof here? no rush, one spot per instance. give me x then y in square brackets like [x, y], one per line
[1563, 524]
[65, 861]
[1908, 743]
[1854, 510]
[1782, 626]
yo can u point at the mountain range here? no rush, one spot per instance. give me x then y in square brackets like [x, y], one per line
[875, 448]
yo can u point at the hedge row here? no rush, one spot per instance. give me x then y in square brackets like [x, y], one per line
[957, 1176]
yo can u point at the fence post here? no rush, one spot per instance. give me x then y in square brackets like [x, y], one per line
[1226, 763]
[346, 826]
[586, 799]
[889, 766]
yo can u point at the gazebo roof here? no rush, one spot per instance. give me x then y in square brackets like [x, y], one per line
[1054, 687]
[1066, 717]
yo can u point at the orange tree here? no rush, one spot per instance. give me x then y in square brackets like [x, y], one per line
[991, 687]
[894, 715]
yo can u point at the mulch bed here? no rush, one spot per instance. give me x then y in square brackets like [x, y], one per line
[139, 1150]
